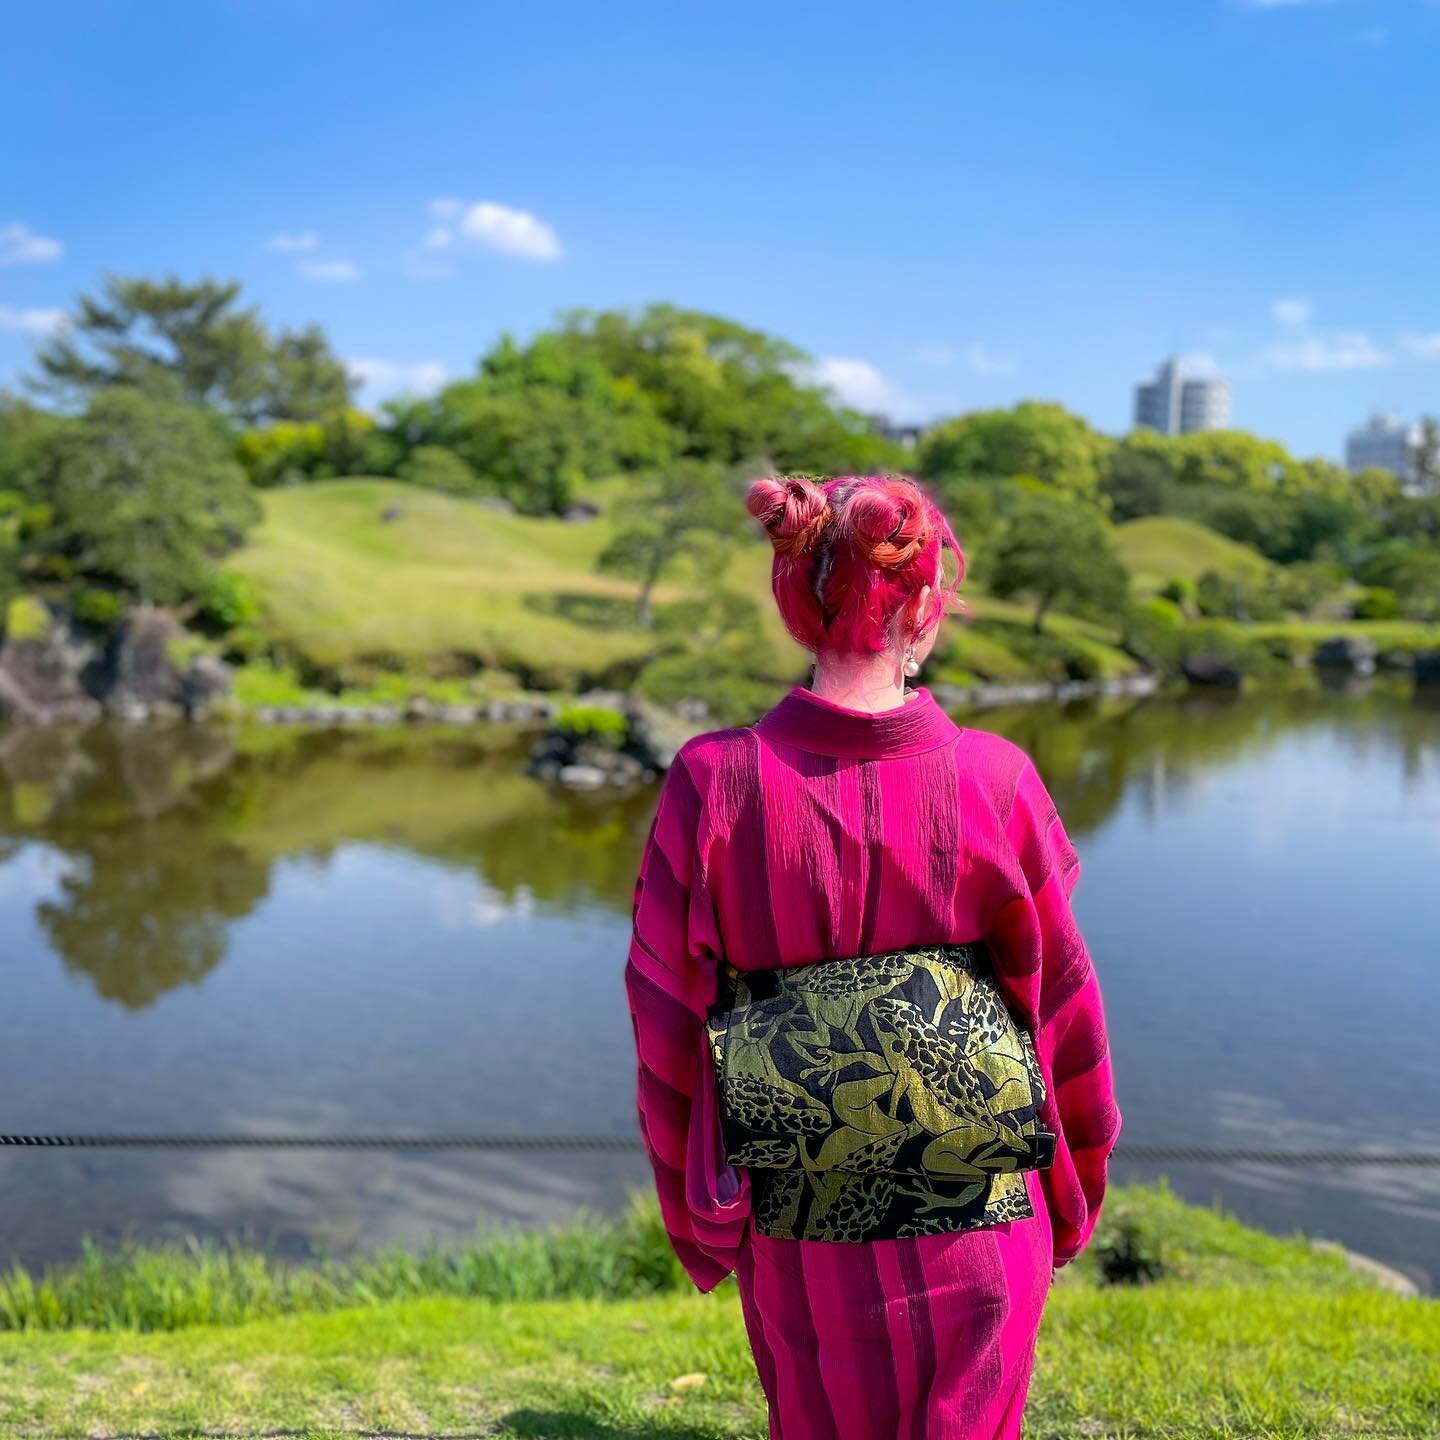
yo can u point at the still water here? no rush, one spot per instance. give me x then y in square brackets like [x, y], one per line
[260, 931]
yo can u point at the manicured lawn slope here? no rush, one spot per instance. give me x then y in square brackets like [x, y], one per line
[1246, 1335]
[340, 582]
[1163, 547]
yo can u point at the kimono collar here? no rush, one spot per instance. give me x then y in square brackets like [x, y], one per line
[806, 721]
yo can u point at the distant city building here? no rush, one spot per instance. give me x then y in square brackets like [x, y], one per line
[1386, 443]
[1176, 404]
[906, 435]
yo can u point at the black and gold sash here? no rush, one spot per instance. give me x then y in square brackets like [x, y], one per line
[878, 1097]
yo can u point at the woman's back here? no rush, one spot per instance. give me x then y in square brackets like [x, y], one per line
[827, 832]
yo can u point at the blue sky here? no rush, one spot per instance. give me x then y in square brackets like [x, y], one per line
[950, 206]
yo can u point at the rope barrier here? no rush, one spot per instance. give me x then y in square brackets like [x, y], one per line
[1143, 1154]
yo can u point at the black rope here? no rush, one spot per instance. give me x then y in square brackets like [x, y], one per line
[1144, 1154]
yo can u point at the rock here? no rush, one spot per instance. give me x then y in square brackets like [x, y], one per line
[1385, 1276]
[204, 680]
[140, 667]
[656, 734]
[497, 503]
[417, 707]
[582, 777]
[1427, 667]
[1402, 662]
[42, 666]
[579, 511]
[1346, 652]
[390, 514]
[1210, 670]
[458, 714]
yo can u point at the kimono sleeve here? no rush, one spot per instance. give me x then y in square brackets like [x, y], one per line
[1070, 1036]
[670, 983]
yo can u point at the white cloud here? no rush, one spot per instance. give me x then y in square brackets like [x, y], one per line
[20, 245]
[1422, 347]
[331, 271]
[390, 377]
[492, 226]
[936, 355]
[857, 383]
[301, 243]
[982, 362]
[1301, 347]
[31, 322]
[1337, 350]
[1292, 312]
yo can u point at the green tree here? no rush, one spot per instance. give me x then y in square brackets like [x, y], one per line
[1060, 552]
[144, 497]
[1035, 441]
[191, 344]
[686, 509]
[1138, 477]
[1236, 460]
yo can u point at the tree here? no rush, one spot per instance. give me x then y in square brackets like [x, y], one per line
[1059, 551]
[688, 508]
[1138, 477]
[144, 497]
[1036, 441]
[190, 344]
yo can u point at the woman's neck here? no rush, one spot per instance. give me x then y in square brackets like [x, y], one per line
[859, 682]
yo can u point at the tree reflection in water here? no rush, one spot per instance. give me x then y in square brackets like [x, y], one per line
[171, 833]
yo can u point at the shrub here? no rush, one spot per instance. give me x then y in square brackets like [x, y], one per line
[1377, 603]
[593, 722]
[437, 468]
[26, 618]
[723, 678]
[1179, 592]
[1152, 631]
[93, 606]
[1131, 1252]
[227, 602]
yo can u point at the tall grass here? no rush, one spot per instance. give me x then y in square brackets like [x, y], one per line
[1146, 1232]
[139, 1287]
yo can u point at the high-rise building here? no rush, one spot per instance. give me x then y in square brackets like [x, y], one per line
[1385, 443]
[1175, 404]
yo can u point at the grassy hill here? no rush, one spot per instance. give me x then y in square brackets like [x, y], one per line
[1164, 547]
[358, 575]
[441, 576]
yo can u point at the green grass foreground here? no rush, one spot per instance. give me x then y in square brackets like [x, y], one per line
[585, 1334]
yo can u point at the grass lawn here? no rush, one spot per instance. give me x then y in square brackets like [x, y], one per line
[1164, 547]
[445, 576]
[1245, 1335]
[1214, 1361]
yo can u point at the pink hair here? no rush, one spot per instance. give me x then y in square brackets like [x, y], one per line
[851, 556]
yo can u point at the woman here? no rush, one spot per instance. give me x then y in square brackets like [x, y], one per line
[856, 818]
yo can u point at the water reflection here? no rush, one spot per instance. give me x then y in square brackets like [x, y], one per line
[260, 930]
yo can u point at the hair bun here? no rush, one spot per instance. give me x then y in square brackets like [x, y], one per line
[888, 521]
[793, 509]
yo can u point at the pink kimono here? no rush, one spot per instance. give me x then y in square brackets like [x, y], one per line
[828, 832]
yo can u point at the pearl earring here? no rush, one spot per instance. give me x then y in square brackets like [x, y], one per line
[911, 667]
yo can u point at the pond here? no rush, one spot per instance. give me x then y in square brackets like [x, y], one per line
[257, 930]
